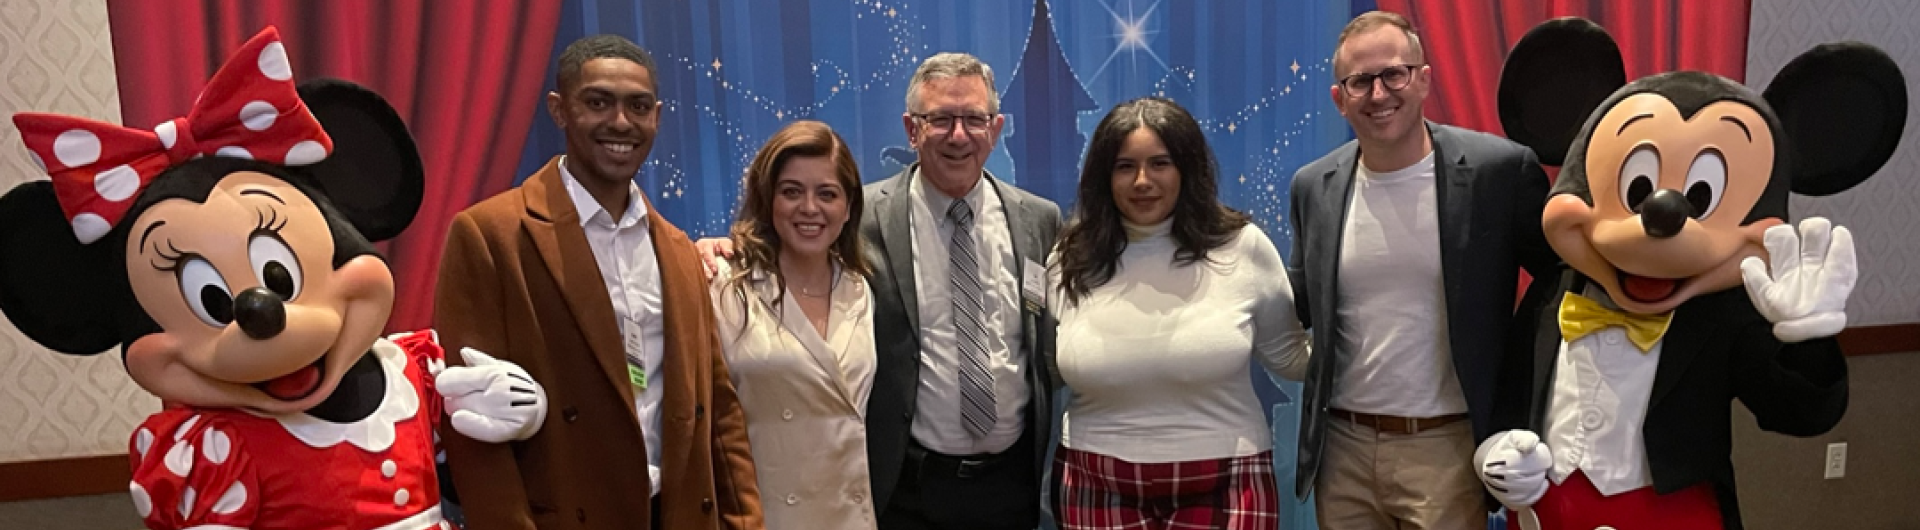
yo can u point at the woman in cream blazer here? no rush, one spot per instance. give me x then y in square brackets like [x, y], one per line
[797, 329]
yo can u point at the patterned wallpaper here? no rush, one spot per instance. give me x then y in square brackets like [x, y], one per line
[1883, 212]
[57, 56]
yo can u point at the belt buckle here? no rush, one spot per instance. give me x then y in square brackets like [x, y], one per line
[968, 468]
[1413, 425]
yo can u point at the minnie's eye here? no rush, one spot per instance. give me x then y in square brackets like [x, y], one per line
[206, 293]
[275, 265]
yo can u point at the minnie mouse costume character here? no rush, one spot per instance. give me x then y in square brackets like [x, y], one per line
[230, 254]
[1673, 192]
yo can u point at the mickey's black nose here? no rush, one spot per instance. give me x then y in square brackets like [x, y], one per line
[261, 313]
[1665, 213]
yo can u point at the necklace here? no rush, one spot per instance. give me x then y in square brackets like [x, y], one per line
[811, 293]
[831, 281]
[804, 292]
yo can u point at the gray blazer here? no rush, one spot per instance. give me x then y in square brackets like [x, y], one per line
[1490, 196]
[1033, 222]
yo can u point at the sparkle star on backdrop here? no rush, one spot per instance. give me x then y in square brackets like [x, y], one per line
[1130, 37]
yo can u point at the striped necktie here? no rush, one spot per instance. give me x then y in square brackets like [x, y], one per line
[976, 383]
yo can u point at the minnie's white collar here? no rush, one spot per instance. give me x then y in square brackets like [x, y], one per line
[375, 433]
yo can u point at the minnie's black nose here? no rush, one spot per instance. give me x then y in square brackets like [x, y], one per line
[261, 313]
[1665, 213]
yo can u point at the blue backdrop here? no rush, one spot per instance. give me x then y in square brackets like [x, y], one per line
[1255, 73]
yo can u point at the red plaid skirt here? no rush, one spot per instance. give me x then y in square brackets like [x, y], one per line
[1100, 492]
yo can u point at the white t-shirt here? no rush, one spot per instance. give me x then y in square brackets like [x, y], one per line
[1157, 358]
[1393, 355]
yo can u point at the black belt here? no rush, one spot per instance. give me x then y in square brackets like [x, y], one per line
[930, 462]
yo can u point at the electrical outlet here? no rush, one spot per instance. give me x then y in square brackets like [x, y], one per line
[1836, 460]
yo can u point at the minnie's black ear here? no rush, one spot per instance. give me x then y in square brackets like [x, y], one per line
[1843, 107]
[373, 176]
[1554, 77]
[60, 293]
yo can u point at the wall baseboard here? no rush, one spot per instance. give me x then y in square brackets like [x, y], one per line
[64, 477]
[1874, 340]
[93, 475]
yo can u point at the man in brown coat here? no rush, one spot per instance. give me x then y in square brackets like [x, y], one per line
[575, 277]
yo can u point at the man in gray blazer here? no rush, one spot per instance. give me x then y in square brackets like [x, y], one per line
[959, 417]
[1407, 246]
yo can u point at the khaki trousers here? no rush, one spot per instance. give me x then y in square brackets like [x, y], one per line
[1372, 480]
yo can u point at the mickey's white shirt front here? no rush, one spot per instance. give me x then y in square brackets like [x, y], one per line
[1601, 386]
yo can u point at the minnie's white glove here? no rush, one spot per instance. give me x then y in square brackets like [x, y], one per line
[491, 400]
[1813, 273]
[1513, 465]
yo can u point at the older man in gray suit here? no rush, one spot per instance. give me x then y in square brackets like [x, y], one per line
[1407, 246]
[960, 412]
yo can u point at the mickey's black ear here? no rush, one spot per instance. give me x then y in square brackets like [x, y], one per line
[60, 293]
[1554, 77]
[1843, 107]
[373, 176]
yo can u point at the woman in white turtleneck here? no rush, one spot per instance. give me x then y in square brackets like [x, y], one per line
[1163, 295]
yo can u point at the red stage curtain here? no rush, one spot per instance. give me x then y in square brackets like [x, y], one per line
[466, 77]
[1467, 41]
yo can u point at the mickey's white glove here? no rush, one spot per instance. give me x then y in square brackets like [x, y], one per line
[1513, 465]
[1813, 273]
[491, 400]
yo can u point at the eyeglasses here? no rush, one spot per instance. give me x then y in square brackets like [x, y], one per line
[1393, 78]
[974, 123]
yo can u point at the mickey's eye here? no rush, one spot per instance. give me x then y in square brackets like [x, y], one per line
[1706, 182]
[1637, 176]
[206, 292]
[275, 265]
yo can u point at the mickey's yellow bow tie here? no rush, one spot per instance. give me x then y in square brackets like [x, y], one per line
[1580, 316]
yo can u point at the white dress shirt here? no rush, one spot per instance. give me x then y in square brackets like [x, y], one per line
[623, 249]
[1394, 355]
[1600, 391]
[936, 420]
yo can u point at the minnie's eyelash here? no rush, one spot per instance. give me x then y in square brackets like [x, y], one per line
[268, 220]
[170, 262]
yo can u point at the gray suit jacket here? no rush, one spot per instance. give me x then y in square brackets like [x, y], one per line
[1033, 222]
[1490, 196]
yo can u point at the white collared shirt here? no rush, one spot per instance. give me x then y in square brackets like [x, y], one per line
[1600, 391]
[623, 250]
[936, 419]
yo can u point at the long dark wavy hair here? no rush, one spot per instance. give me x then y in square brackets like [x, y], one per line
[1090, 246]
[756, 245]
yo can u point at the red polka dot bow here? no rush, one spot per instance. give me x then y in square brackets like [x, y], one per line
[250, 109]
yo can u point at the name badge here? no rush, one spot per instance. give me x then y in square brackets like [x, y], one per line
[1033, 286]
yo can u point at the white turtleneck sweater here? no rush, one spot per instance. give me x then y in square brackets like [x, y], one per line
[1157, 358]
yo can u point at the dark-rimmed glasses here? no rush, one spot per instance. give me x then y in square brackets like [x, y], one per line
[944, 123]
[1394, 78]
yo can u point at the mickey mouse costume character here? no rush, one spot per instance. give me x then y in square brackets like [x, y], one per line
[230, 254]
[1673, 191]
